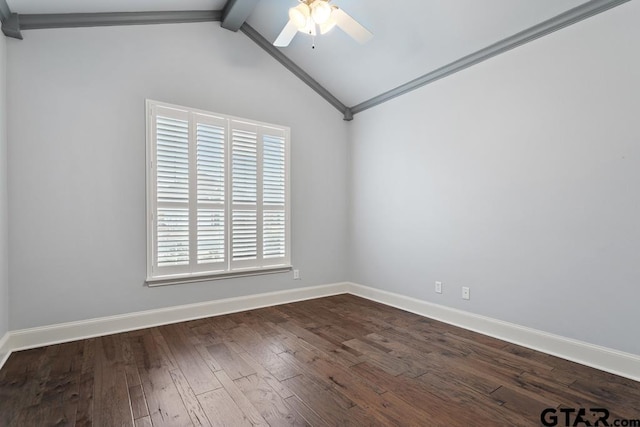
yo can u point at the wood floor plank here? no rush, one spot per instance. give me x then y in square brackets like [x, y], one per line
[222, 322]
[493, 355]
[234, 366]
[558, 393]
[307, 390]
[138, 402]
[164, 351]
[577, 371]
[423, 341]
[144, 422]
[384, 406]
[344, 318]
[308, 414]
[60, 415]
[293, 341]
[301, 316]
[222, 410]
[271, 406]
[522, 404]
[419, 362]
[84, 410]
[249, 339]
[190, 400]
[273, 364]
[610, 394]
[459, 369]
[241, 400]
[332, 408]
[188, 360]
[339, 360]
[272, 315]
[391, 364]
[163, 399]
[264, 371]
[111, 404]
[21, 385]
[129, 360]
[469, 403]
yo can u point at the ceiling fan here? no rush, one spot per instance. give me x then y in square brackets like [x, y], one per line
[311, 13]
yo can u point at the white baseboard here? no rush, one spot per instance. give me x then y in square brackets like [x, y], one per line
[5, 351]
[71, 331]
[605, 359]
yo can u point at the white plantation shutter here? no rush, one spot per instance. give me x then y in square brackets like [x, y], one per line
[274, 234]
[171, 158]
[218, 194]
[244, 206]
[211, 190]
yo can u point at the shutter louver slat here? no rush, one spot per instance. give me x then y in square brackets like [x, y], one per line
[173, 237]
[245, 232]
[210, 143]
[274, 234]
[244, 183]
[244, 166]
[273, 170]
[172, 160]
[172, 186]
[210, 235]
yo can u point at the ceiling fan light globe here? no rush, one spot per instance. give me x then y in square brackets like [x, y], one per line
[327, 26]
[299, 15]
[320, 11]
[310, 28]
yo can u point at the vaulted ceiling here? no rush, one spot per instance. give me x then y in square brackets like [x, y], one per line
[414, 41]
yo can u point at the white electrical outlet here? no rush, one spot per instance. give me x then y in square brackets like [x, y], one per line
[438, 287]
[296, 274]
[466, 294]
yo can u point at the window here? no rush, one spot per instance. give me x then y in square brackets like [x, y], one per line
[217, 195]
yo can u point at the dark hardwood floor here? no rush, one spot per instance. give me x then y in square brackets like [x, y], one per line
[332, 361]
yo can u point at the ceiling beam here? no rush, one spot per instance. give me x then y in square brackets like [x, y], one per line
[265, 44]
[10, 22]
[73, 20]
[236, 12]
[556, 23]
[11, 26]
[5, 12]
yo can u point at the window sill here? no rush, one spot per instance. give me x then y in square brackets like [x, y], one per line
[192, 278]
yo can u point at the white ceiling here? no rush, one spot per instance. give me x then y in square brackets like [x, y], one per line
[411, 38]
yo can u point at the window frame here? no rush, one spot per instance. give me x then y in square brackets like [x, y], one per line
[195, 271]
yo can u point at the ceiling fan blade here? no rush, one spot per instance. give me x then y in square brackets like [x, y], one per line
[350, 26]
[286, 35]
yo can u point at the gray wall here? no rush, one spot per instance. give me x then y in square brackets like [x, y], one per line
[518, 178]
[77, 156]
[4, 255]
